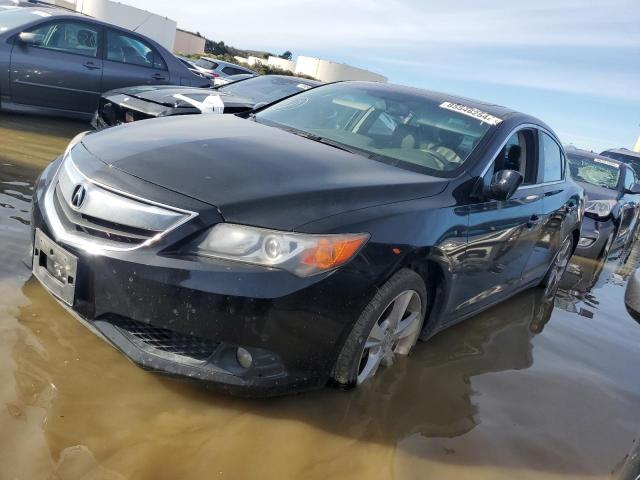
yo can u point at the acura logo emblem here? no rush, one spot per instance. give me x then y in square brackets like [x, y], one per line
[78, 195]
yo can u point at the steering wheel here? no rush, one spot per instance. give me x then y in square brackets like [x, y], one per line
[438, 158]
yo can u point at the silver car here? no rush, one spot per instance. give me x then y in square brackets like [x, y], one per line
[218, 68]
[59, 62]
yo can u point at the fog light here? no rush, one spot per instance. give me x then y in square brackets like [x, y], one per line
[586, 241]
[244, 358]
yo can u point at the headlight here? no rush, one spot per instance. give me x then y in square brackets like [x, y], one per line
[299, 253]
[74, 141]
[600, 208]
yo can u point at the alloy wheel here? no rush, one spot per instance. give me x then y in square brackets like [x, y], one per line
[395, 332]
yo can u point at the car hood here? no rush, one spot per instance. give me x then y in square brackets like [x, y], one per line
[594, 192]
[175, 96]
[254, 174]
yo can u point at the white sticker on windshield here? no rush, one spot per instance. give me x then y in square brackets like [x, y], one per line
[303, 86]
[471, 112]
[40, 13]
[606, 162]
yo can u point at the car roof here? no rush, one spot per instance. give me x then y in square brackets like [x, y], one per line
[306, 81]
[623, 151]
[59, 12]
[223, 62]
[578, 152]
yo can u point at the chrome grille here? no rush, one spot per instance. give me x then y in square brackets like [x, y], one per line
[105, 218]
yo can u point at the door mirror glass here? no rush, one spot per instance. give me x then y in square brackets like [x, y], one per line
[29, 38]
[504, 184]
[634, 189]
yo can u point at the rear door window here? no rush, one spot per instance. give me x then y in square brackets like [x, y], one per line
[125, 48]
[68, 36]
[552, 159]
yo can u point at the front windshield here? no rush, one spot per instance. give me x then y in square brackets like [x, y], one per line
[407, 130]
[632, 160]
[14, 17]
[265, 88]
[594, 171]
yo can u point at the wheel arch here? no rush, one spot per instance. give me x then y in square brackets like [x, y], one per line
[435, 269]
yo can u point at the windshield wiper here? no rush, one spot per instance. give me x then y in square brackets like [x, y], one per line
[327, 141]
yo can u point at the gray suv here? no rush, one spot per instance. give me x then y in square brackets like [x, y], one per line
[59, 62]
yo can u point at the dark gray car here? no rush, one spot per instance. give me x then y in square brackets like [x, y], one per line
[59, 62]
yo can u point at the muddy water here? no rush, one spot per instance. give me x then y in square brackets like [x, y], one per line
[524, 390]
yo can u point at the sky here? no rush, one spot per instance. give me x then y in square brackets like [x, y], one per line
[575, 64]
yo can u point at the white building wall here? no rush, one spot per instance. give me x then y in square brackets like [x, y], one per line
[160, 29]
[327, 71]
[256, 61]
[282, 63]
[241, 59]
[637, 147]
[188, 43]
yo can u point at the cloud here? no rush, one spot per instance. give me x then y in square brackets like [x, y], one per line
[411, 24]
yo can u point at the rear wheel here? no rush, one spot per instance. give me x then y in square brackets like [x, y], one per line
[388, 326]
[557, 269]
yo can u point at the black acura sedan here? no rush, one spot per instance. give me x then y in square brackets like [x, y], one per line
[312, 242]
[127, 105]
[612, 195]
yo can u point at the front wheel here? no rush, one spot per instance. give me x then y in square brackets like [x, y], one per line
[388, 326]
[557, 268]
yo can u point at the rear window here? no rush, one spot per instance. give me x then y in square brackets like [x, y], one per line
[206, 64]
[233, 71]
[407, 130]
[265, 88]
[14, 17]
[594, 171]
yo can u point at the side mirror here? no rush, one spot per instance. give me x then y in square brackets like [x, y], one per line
[29, 38]
[504, 184]
[635, 189]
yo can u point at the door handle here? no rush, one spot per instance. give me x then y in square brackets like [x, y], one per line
[533, 221]
[91, 66]
[158, 76]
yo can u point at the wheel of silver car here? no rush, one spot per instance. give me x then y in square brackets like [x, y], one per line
[557, 269]
[389, 326]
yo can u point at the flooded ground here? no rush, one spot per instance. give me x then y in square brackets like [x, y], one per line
[522, 391]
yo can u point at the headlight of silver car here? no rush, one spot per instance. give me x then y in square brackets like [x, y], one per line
[299, 253]
[600, 208]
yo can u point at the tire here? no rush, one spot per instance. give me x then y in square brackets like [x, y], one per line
[406, 286]
[557, 268]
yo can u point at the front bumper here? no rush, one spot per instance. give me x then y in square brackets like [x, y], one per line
[187, 317]
[598, 232]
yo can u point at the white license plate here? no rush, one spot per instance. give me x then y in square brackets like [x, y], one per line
[55, 267]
